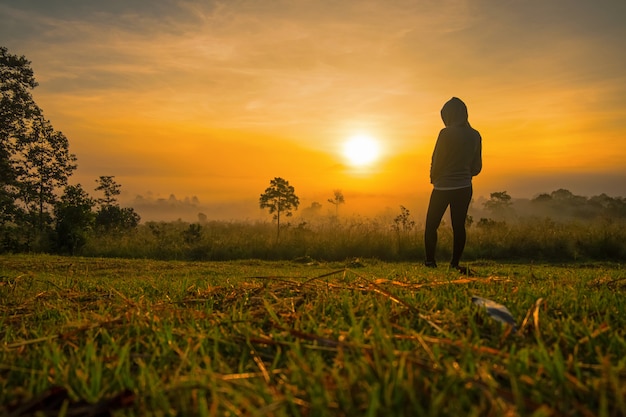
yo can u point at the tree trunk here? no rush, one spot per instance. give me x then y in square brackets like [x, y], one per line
[277, 224]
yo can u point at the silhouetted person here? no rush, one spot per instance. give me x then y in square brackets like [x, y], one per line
[456, 159]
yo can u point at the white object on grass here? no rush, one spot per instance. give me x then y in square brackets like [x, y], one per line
[495, 310]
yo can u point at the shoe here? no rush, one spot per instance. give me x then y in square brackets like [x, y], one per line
[430, 264]
[464, 270]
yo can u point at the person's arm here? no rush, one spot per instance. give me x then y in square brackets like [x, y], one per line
[434, 163]
[477, 162]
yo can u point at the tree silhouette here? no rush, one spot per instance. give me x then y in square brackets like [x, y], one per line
[46, 166]
[74, 219]
[110, 216]
[110, 189]
[337, 200]
[499, 204]
[279, 198]
[35, 162]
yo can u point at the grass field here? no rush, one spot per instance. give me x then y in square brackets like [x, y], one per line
[89, 336]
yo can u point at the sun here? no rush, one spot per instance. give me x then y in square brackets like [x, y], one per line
[361, 150]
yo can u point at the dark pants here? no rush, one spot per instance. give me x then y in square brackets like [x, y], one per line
[459, 201]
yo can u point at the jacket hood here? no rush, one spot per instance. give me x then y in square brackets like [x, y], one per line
[454, 113]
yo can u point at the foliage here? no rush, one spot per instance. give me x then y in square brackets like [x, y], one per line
[110, 188]
[313, 212]
[315, 339]
[116, 218]
[110, 217]
[279, 198]
[74, 219]
[17, 110]
[499, 205]
[564, 204]
[337, 200]
[35, 161]
[45, 166]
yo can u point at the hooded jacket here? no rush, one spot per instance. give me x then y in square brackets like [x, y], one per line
[458, 152]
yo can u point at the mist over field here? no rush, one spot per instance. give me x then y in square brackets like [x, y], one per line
[194, 209]
[191, 209]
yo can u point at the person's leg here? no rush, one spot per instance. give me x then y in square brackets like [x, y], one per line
[436, 208]
[459, 204]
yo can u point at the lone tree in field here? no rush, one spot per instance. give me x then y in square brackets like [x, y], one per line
[279, 198]
[337, 199]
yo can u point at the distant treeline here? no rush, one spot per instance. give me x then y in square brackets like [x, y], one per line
[561, 204]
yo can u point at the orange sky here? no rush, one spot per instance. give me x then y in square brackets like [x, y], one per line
[213, 99]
